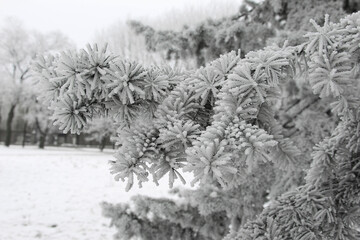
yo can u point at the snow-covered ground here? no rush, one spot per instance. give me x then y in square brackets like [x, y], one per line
[55, 193]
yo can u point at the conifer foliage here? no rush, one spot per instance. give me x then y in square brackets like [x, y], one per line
[222, 123]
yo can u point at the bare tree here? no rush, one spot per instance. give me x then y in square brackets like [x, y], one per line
[18, 47]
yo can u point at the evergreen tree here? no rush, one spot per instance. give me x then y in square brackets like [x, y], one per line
[206, 41]
[238, 125]
[164, 219]
[250, 29]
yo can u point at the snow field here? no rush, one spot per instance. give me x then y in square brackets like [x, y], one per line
[55, 193]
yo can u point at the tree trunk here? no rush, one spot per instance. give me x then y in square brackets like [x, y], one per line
[42, 141]
[77, 141]
[199, 54]
[43, 134]
[102, 144]
[24, 134]
[9, 121]
[235, 223]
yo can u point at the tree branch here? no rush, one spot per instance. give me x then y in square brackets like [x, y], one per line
[299, 112]
[38, 126]
[22, 77]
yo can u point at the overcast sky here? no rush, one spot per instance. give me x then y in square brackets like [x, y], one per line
[79, 19]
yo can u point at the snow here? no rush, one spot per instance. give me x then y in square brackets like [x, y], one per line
[55, 193]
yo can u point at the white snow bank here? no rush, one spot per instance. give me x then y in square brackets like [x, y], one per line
[55, 193]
